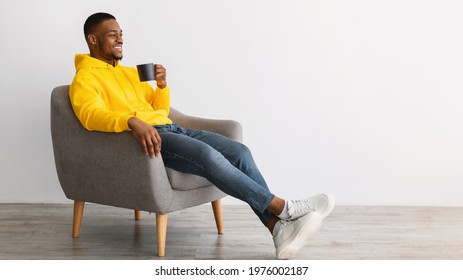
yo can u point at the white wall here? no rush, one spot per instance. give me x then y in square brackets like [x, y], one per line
[362, 99]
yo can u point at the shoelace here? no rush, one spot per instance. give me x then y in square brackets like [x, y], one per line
[299, 207]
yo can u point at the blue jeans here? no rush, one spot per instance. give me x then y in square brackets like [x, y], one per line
[227, 164]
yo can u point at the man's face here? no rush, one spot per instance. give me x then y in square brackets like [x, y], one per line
[108, 40]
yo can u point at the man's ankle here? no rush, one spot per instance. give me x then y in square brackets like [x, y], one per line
[271, 224]
[276, 205]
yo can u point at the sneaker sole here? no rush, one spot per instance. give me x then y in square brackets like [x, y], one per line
[303, 236]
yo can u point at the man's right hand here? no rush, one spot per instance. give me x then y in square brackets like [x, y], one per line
[147, 136]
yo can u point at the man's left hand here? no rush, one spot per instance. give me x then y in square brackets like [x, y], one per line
[160, 75]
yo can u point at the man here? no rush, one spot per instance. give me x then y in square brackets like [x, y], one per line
[109, 97]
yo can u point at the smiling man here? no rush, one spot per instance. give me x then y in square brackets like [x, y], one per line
[109, 97]
[105, 40]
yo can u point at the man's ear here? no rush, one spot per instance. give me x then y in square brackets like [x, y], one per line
[91, 39]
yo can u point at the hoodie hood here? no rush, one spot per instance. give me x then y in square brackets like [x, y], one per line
[86, 61]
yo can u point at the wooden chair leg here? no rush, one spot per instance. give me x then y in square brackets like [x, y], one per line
[217, 208]
[78, 212]
[137, 215]
[161, 231]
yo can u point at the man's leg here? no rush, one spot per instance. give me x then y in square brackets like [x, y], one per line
[187, 154]
[239, 156]
[233, 170]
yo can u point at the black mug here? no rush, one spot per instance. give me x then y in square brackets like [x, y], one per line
[146, 72]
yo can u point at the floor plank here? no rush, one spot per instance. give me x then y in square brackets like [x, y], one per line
[43, 231]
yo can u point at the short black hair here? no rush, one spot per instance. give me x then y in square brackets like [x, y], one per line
[93, 20]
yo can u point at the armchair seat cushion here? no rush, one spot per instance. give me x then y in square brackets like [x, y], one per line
[184, 182]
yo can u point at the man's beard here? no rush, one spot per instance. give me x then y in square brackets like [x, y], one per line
[107, 54]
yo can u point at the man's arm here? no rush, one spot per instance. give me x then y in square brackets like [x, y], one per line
[159, 98]
[147, 135]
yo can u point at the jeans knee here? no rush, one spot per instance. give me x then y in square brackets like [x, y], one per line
[243, 151]
[242, 155]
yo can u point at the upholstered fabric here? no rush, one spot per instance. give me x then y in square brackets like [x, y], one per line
[183, 182]
[110, 169]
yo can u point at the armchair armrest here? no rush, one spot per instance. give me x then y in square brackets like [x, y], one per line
[229, 128]
[111, 169]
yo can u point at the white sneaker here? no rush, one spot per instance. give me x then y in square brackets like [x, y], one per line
[321, 203]
[295, 234]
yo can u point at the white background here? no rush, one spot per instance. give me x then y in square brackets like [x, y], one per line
[316, 270]
[362, 99]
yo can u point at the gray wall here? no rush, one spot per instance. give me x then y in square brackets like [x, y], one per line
[358, 98]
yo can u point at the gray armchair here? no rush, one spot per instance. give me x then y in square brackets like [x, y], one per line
[111, 169]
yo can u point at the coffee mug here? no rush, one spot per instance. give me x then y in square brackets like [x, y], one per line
[146, 72]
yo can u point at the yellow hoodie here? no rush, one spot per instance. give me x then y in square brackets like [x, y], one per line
[105, 97]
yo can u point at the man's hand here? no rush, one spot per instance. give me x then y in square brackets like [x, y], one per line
[160, 75]
[146, 135]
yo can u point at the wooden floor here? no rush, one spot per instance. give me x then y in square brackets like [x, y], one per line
[43, 231]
